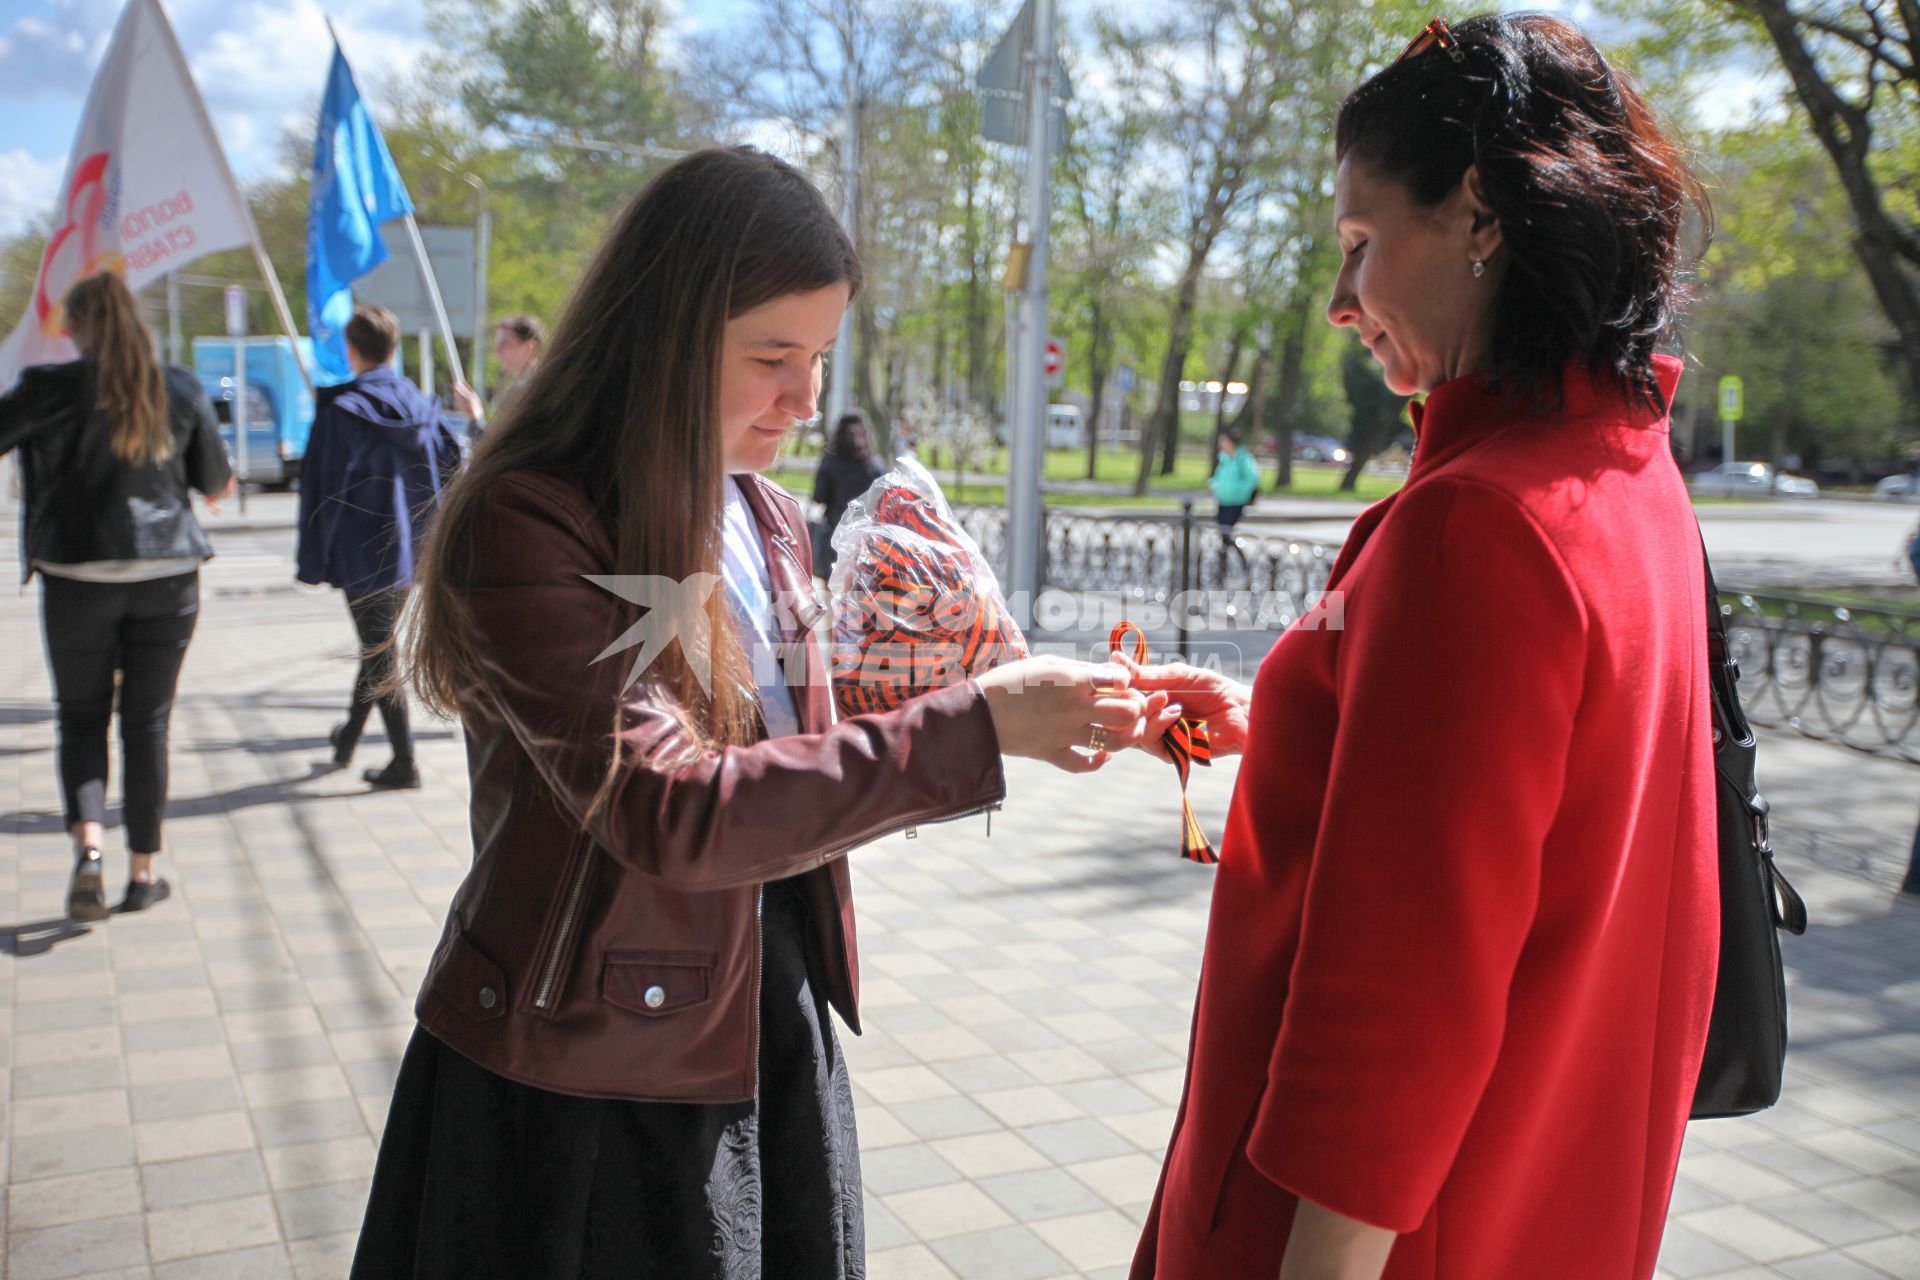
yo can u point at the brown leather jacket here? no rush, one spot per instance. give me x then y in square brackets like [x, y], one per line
[619, 957]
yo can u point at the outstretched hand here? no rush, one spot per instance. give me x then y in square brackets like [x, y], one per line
[1074, 715]
[214, 500]
[1196, 694]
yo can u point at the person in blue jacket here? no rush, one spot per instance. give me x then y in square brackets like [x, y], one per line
[378, 459]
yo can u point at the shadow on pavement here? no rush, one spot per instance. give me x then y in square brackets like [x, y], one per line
[28, 822]
[274, 746]
[40, 936]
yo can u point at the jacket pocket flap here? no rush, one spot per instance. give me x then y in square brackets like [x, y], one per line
[466, 979]
[656, 983]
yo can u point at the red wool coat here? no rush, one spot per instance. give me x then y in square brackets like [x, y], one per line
[1462, 945]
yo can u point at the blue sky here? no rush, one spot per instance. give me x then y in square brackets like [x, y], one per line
[259, 64]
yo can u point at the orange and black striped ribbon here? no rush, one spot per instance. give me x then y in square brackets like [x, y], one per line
[931, 624]
[1188, 743]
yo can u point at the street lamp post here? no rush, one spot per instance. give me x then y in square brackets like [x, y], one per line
[1029, 402]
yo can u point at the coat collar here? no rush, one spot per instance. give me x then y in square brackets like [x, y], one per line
[1459, 414]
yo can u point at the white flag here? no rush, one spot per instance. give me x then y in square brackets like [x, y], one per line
[147, 188]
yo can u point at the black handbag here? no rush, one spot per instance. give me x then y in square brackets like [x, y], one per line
[1747, 1037]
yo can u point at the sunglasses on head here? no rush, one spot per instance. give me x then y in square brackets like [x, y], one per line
[1435, 33]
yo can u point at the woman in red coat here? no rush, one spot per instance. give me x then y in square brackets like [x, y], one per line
[1462, 947]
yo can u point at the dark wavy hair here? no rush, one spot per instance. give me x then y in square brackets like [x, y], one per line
[851, 437]
[1591, 194]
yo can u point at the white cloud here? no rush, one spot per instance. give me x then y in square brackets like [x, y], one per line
[267, 64]
[1736, 95]
[27, 188]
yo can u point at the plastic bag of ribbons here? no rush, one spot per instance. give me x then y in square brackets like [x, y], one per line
[915, 605]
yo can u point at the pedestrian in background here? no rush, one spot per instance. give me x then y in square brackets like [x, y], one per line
[111, 447]
[517, 340]
[848, 469]
[1464, 936]
[1235, 482]
[377, 461]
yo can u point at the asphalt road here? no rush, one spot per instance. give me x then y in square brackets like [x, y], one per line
[1823, 543]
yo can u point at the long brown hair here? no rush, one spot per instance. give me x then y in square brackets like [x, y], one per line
[624, 401]
[105, 323]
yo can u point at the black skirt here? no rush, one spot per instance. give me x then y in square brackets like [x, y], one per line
[480, 1176]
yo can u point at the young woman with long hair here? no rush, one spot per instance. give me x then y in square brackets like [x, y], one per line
[111, 446]
[625, 1064]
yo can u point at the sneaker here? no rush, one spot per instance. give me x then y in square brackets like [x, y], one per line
[142, 894]
[87, 895]
[399, 775]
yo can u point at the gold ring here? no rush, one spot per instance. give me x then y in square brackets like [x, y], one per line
[1097, 740]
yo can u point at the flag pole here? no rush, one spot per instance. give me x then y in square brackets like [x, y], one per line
[420, 257]
[433, 292]
[246, 209]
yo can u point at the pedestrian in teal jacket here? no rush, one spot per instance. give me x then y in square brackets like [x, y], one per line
[1236, 479]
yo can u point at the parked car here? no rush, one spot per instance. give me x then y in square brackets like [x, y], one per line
[1902, 486]
[1320, 449]
[1751, 480]
[1063, 427]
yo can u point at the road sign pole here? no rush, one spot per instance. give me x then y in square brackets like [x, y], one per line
[1029, 407]
[840, 384]
[236, 300]
[240, 424]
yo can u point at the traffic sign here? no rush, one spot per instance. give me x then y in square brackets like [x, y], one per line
[1126, 378]
[1056, 363]
[1732, 394]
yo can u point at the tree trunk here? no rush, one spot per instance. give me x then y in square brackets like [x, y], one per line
[1248, 423]
[1257, 399]
[1286, 400]
[1164, 425]
[1370, 435]
[867, 326]
[1097, 360]
[1846, 132]
[1220, 401]
[978, 368]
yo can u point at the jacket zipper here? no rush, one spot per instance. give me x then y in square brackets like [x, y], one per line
[565, 931]
[912, 829]
[759, 949]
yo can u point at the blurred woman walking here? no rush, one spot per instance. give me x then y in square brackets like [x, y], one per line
[111, 446]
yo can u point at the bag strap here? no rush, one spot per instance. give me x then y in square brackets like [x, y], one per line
[1732, 732]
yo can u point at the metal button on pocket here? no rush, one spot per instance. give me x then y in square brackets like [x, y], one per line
[488, 997]
[655, 997]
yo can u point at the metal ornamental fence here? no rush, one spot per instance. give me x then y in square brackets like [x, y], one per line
[1849, 676]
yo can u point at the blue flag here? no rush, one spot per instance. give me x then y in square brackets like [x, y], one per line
[355, 189]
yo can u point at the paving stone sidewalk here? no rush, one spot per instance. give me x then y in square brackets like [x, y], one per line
[197, 1091]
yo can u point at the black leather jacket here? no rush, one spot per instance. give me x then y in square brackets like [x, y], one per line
[83, 501]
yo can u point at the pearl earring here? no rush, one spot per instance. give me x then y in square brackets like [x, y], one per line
[1479, 268]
